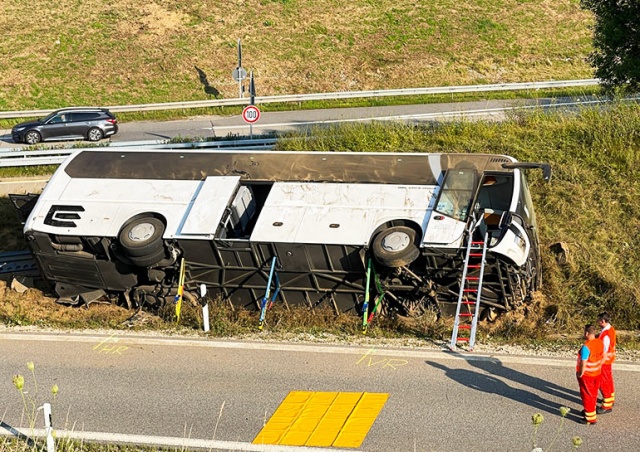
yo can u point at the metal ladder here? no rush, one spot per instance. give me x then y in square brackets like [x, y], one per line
[470, 286]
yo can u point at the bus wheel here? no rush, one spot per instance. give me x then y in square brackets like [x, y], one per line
[395, 247]
[142, 237]
[148, 260]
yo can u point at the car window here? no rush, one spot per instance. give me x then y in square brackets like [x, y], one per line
[47, 118]
[57, 119]
[84, 116]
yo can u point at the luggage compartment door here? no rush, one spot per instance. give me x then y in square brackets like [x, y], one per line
[208, 205]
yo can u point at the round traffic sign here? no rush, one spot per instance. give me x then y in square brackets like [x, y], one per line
[239, 74]
[251, 114]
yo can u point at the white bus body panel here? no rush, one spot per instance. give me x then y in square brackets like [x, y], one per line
[304, 212]
[515, 247]
[443, 231]
[189, 207]
[211, 200]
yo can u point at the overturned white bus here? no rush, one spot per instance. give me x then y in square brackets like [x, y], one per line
[118, 223]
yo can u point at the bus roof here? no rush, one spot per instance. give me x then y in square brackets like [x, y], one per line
[266, 166]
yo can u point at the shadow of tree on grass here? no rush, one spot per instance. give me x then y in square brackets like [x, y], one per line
[208, 89]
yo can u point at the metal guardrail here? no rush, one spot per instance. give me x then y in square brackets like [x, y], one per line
[57, 156]
[18, 263]
[326, 96]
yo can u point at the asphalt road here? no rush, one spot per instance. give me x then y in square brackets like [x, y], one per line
[191, 388]
[222, 126]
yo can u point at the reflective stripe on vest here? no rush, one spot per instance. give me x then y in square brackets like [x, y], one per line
[593, 365]
[610, 355]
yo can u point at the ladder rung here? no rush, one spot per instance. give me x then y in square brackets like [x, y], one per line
[473, 266]
[464, 327]
[468, 302]
[475, 254]
[473, 278]
[465, 314]
[477, 243]
[470, 290]
[462, 339]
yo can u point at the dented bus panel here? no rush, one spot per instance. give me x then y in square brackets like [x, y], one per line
[117, 223]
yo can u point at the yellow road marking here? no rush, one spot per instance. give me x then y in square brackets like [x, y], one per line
[322, 419]
[117, 350]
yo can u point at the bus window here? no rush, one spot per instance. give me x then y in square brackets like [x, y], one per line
[456, 194]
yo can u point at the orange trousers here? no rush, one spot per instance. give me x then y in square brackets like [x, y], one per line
[589, 387]
[607, 388]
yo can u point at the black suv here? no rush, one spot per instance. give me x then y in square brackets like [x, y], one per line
[92, 124]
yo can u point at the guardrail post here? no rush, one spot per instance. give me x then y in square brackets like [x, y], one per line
[48, 428]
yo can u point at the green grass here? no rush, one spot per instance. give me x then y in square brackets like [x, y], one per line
[118, 53]
[591, 206]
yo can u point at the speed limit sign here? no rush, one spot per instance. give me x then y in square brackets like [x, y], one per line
[251, 114]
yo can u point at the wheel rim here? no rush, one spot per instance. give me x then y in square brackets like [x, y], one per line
[31, 138]
[95, 135]
[395, 242]
[141, 232]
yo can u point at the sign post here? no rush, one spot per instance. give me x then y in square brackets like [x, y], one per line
[252, 90]
[251, 114]
[239, 74]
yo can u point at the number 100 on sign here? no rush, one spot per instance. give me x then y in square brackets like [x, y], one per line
[251, 114]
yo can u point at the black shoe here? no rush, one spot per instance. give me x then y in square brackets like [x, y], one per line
[600, 410]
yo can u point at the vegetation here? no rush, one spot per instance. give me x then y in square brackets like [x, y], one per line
[589, 220]
[588, 215]
[122, 52]
[537, 419]
[19, 445]
[616, 54]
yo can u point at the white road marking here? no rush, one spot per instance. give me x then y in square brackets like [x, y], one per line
[167, 441]
[418, 116]
[350, 350]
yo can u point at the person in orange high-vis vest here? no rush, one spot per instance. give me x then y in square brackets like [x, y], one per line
[588, 371]
[608, 338]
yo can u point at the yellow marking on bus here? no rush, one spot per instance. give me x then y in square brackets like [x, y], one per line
[322, 419]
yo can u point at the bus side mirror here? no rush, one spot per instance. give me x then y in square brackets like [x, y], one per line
[545, 167]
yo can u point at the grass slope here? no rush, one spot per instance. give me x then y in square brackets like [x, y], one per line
[589, 219]
[91, 52]
[589, 215]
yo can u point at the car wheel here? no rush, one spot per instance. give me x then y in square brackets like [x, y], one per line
[142, 237]
[395, 247]
[32, 137]
[94, 134]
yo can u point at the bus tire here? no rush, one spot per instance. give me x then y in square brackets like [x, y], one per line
[142, 237]
[395, 246]
[148, 260]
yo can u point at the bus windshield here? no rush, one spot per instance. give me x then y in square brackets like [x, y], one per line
[457, 193]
